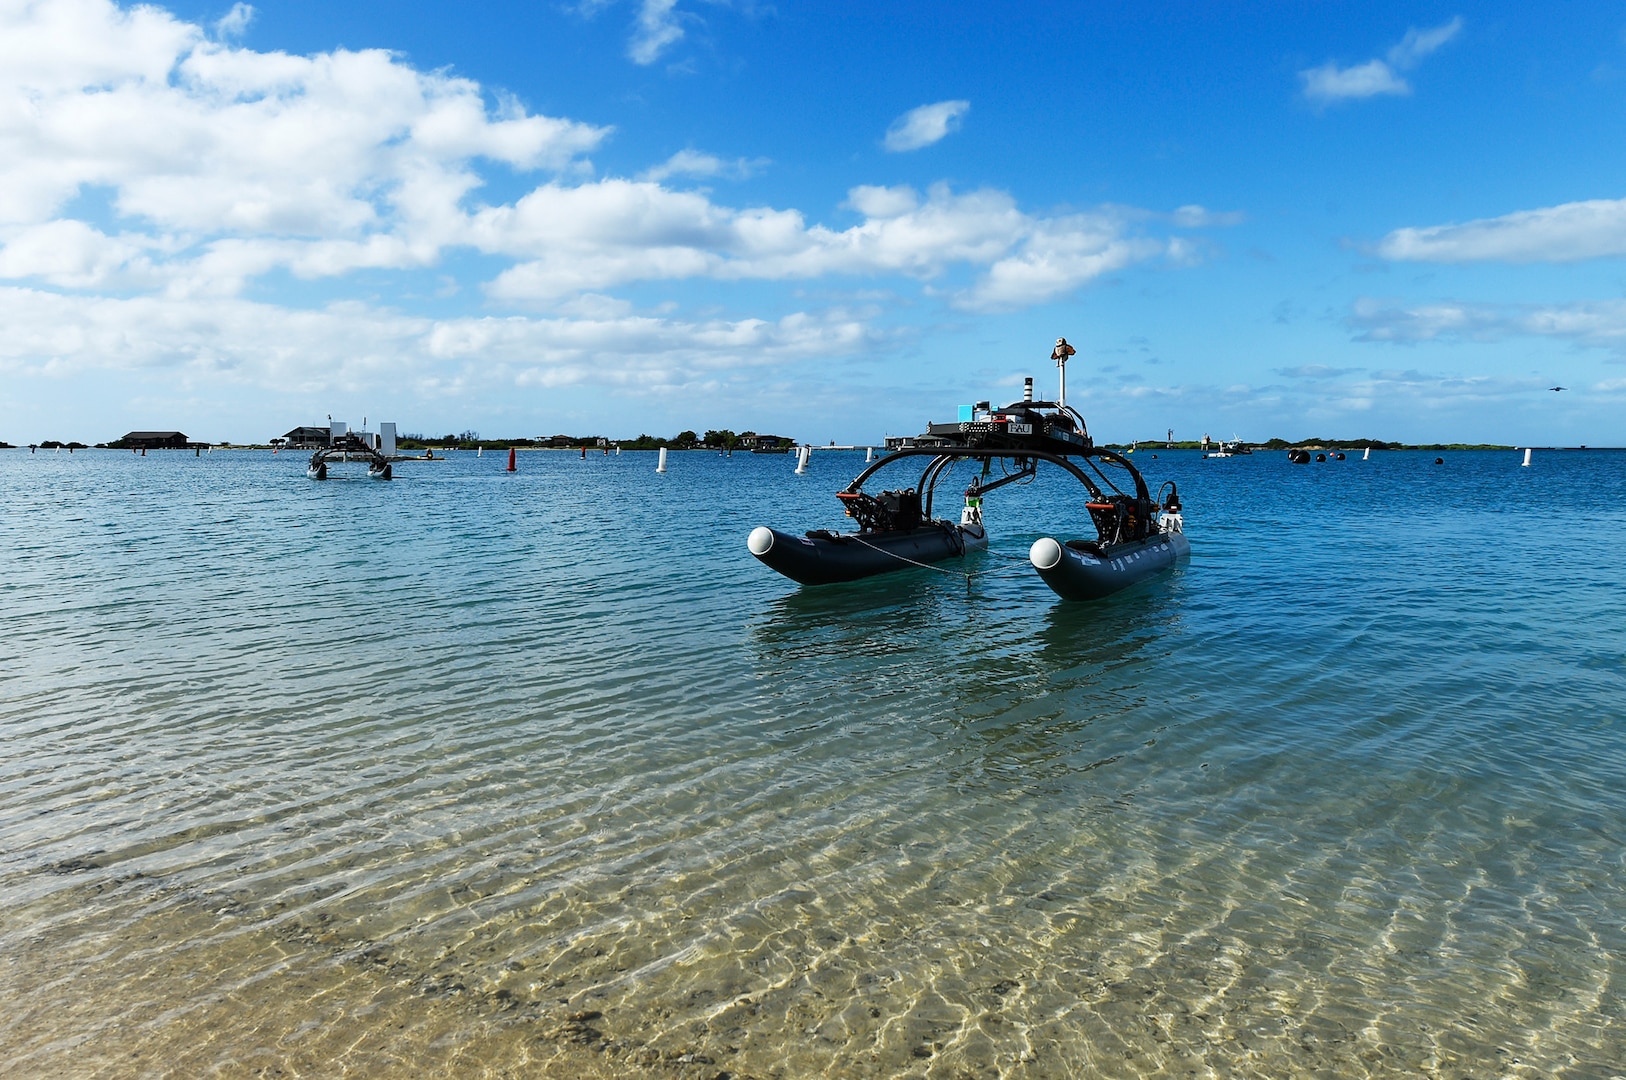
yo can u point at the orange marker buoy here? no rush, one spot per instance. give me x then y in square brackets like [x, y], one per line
[511, 459]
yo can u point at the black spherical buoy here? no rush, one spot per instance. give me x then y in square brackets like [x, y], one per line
[1439, 461]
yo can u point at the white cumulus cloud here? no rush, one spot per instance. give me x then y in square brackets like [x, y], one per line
[705, 166]
[195, 136]
[346, 346]
[153, 175]
[1596, 323]
[1420, 43]
[590, 237]
[883, 202]
[1595, 228]
[656, 30]
[1057, 257]
[72, 254]
[235, 22]
[925, 125]
[1331, 82]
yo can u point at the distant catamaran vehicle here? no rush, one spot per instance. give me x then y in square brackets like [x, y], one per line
[378, 451]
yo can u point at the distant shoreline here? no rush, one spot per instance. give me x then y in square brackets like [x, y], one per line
[1148, 446]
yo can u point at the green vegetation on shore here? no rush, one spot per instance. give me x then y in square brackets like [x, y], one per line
[683, 440]
[725, 440]
[1316, 442]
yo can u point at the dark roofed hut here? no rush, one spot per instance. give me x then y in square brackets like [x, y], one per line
[156, 440]
[766, 444]
[306, 437]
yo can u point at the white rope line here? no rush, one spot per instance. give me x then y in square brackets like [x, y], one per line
[967, 574]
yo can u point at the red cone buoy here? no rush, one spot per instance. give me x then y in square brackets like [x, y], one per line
[510, 459]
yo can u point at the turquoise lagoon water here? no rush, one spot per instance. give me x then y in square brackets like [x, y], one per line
[471, 774]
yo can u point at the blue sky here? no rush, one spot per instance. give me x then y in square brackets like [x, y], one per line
[625, 216]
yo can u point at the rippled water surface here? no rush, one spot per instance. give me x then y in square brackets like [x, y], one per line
[471, 774]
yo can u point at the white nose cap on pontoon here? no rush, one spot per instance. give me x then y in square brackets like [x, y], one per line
[1045, 553]
[760, 540]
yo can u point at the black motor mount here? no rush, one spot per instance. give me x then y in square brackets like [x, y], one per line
[890, 511]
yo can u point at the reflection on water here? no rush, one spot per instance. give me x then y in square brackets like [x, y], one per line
[587, 799]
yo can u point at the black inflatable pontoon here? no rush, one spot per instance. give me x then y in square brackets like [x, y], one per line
[823, 558]
[1136, 536]
[1088, 570]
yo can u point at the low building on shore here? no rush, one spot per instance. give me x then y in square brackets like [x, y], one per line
[305, 438]
[750, 440]
[155, 440]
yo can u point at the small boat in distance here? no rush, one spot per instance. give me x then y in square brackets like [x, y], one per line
[1234, 448]
[1136, 537]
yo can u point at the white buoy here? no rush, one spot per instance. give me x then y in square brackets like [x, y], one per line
[661, 465]
[1367, 454]
[1527, 456]
[1045, 554]
[802, 454]
[869, 454]
[618, 451]
[479, 451]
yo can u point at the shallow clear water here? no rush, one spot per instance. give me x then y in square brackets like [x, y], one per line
[475, 774]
